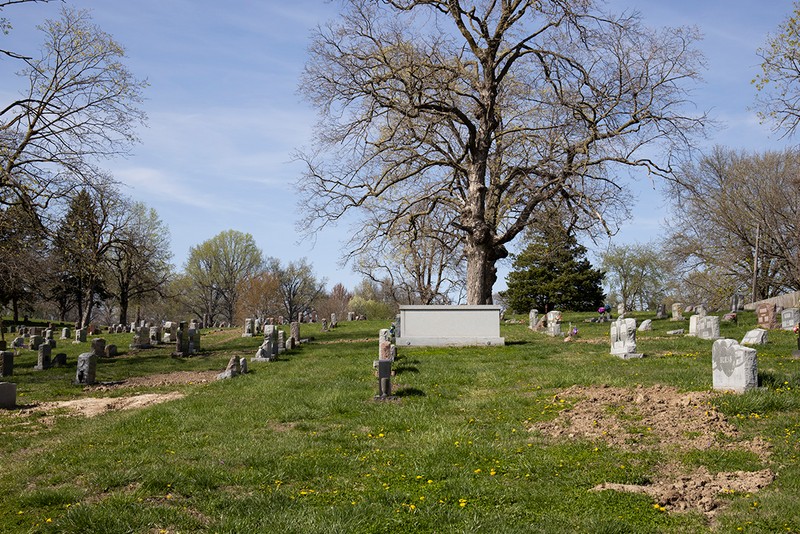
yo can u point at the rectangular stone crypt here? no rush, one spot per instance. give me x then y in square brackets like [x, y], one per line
[450, 326]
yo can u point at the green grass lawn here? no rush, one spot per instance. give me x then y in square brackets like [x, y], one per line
[300, 445]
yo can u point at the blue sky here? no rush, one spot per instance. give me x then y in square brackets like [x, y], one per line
[225, 115]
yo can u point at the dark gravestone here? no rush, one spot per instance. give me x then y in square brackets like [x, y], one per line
[6, 363]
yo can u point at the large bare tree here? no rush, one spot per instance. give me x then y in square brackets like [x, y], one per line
[731, 208]
[489, 109]
[79, 104]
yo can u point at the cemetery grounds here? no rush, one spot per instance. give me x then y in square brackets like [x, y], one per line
[540, 435]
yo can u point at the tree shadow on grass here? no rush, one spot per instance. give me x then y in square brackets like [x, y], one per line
[518, 342]
[406, 369]
[409, 392]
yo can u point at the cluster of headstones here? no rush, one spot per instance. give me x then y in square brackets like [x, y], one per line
[328, 326]
[276, 342]
[549, 323]
[387, 351]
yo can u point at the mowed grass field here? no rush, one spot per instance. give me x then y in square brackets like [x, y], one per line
[300, 445]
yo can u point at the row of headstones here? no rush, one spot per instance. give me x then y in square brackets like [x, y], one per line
[734, 367]
[549, 323]
[185, 337]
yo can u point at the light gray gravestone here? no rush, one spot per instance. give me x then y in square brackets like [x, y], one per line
[243, 365]
[141, 338]
[80, 335]
[734, 367]
[295, 329]
[87, 369]
[248, 327]
[43, 361]
[623, 338]
[693, 325]
[790, 317]
[170, 332]
[35, 341]
[755, 337]
[384, 379]
[533, 317]
[661, 312]
[646, 325]
[155, 335]
[333, 320]
[233, 369]
[554, 323]
[677, 314]
[708, 327]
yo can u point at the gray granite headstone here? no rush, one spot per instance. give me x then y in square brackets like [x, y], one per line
[554, 323]
[295, 330]
[734, 367]
[87, 368]
[646, 325]
[790, 317]
[233, 369]
[623, 338]
[755, 337]
[708, 327]
[44, 362]
[249, 326]
[677, 311]
[533, 317]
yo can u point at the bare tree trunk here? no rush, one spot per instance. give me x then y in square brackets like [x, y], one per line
[481, 274]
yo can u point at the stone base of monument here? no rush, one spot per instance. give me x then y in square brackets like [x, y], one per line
[630, 355]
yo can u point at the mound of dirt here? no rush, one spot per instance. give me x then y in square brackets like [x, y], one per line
[661, 418]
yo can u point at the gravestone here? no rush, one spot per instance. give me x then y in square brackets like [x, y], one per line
[35, 341]
[6, 363]
[8, 395]
[281, 341]
[398, 332]
[678, 332]
[295, 329]
[80, 335]
[620, 308]
[60, 360]
[351, 316]
[790, 317]
[708, 327]
[554, 323]
[734, 367]
[265, 351]
[384, 345]
[170, 332]
[693, 325]
[194, 340]
[48, 334]
[87, 369]
[661, 312]
[737, 302]
[290, 343]
[333, 320]
[155, 335]
[233, 369]
[141, 338]
[99, 347]
[646, 325]
[533, 318]
[43, 361]
[111, 351]
[623, 338]
[767, 316]
[384, 379]
[755, 337]
[248, 328]
[677, 315]
[243, 365]
[324, 325]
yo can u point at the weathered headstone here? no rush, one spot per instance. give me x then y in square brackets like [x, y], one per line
[708, 327]
[290, 343]
[194, 340]
[8, 395]
[6, 363]
[35, 341]
[533, 318]
[44, 355]
[677, 315]
[111, 351]
[243, 365]
[623, 338]
[324, 325]
[384, 379]
[80, 335]
[87, 368]
[295, 329]
[661, 311]
[18, 342]
[693, 325]
[790, 317]
[99, 347]
[333, 320]
[646, 325]
[281, 341]
[141, 338]
[755, 337]
[60, 360]
[384, 345]
[155, 335]
[734, 367]
[248, 328]
[170, 332]
[678, 332]
[620, 308]
[554, 323]
[767, 316]
[351, 316]
[233, 369]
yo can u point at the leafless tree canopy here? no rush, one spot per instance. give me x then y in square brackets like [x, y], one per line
[79, 105]
[485, 110]
[725, 204]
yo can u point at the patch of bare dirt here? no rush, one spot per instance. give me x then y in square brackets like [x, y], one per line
[661, 418]
[165, 379]
[93, 406]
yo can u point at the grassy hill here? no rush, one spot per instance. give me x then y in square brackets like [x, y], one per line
[537, 436]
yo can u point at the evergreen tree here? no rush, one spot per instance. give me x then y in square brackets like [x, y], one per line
[553, 273]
